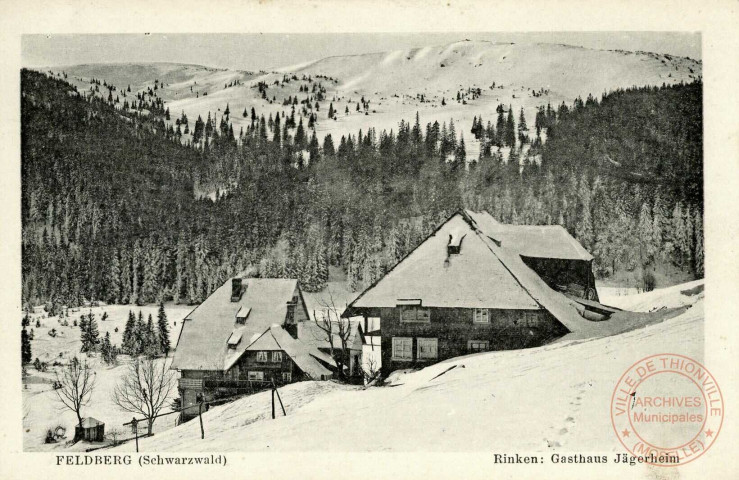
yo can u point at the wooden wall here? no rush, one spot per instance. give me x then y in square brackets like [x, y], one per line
[454, 327]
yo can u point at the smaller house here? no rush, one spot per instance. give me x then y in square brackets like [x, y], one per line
[90, 430]
[276, 357]
[241, 339]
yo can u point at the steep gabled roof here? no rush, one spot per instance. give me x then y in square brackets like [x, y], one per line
[536, 241]
[487, 273]
[562, 308]
[305, 356]
[202, 344]
[472, 279]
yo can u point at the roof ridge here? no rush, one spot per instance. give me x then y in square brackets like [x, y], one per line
[481, 234]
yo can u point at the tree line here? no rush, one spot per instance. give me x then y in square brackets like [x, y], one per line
[622, 173]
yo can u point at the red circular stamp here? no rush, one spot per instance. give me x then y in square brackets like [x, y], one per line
[667, 409]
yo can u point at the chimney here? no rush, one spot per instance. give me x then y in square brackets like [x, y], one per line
[454, 246]
[237, 289]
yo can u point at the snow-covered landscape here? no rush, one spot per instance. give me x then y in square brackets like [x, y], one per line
[424, 247]
[41, 407]
[481, 390]
[398, 84]
[553, 398]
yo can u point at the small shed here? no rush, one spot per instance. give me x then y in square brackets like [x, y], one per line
[90, 430]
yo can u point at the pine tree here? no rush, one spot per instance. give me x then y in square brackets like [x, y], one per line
[129, 335]
[26, 355]
[510, 129]
[151, 343]
[114, 279]
[90, 334]
[164, 343]
[331, 111]
[500, 126]
[646, 235]
[140, 336]
[522, 128]
[659, 223]
[678, 235]
[105, 348]
[698, 256]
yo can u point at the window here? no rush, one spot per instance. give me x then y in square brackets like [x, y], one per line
[287, 377]
[481, 315]
[255, 376]
[277, 357]
[373, 324]
[531, 319]
[402, 348]
[414, 314]
[428, 348]
[474, 346]
[261, 356]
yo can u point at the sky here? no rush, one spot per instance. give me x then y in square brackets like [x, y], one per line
[266, 51]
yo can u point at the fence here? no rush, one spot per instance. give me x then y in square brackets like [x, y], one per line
[136, 424]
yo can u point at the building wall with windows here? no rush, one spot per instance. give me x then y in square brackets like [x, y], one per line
[414, 336]
[267, 365]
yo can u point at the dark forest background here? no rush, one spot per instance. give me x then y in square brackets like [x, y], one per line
[111, 208]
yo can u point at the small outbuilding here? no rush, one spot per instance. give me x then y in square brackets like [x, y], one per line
[90, 430]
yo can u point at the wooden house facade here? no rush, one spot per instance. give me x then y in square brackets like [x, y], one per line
[469, 288]
[242, 339]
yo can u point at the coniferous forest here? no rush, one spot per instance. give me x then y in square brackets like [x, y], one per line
[111, 210]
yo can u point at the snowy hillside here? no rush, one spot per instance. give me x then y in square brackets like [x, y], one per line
[42, 409]
[547, 399]
[400, 83]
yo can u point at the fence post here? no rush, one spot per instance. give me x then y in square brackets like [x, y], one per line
[200, 414]
[134, 425]
[273, 403]
[280, 400]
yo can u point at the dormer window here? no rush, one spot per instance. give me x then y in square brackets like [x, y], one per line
[242, 314]
[234, 339]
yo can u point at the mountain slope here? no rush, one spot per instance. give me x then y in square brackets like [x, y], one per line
[393, 82]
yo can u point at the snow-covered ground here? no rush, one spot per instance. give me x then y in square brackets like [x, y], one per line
[42, 409]
[670, 297]
[548, 399]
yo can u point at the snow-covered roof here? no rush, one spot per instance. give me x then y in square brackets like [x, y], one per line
[91, 422]
[202, 344]
[305, 356]
[471, 279]
[536, 241]
[485, 274]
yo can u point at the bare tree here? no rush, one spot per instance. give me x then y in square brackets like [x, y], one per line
[145, 388]
[76, 382]
[115, 435]
[336, 330]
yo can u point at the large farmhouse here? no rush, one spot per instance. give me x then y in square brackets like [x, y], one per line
[475, 285]
[243, 338]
